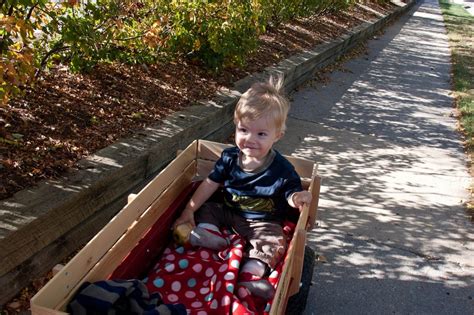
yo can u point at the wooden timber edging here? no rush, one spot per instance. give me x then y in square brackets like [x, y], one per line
[41, 226]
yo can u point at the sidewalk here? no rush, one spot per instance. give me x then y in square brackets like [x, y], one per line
[391, 220]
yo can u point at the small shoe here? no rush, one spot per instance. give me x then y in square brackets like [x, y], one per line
[257, 286]
[207, 238]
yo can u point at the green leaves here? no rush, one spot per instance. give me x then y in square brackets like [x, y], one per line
[220, 33]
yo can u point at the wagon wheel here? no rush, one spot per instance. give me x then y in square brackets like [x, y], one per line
[297, 303]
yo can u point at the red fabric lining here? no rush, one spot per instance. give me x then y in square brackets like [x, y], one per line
[140, 259]
[206, 281]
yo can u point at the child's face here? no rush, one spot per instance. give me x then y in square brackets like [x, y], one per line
[255, 138]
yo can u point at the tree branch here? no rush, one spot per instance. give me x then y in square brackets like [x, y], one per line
[31, 11]
[46, 57]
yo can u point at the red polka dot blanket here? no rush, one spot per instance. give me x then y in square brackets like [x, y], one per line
[205, 281]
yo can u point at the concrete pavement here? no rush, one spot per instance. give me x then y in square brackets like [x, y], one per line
[392, 225]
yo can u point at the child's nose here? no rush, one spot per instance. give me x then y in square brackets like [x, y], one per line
[250, 137]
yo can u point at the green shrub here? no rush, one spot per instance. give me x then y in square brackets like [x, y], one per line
[219, 33]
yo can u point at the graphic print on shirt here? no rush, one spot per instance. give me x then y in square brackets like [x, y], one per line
[248, 203]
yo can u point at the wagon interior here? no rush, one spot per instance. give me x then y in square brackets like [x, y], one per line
[132, 242]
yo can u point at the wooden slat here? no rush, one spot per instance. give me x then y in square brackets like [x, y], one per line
[303, 167]
[281, 295]
[209, 150]
[58, 288]
[131, 197]
[204, 167]
[314, 189]
[40, 310]
[297, 268]
[135, 232]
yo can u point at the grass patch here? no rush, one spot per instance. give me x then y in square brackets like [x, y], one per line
[460, 26]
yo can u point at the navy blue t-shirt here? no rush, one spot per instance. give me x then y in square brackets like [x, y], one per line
[259, 195]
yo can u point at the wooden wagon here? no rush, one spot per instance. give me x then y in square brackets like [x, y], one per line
[141, 230]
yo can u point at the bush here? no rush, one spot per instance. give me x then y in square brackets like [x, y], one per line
[219, 33]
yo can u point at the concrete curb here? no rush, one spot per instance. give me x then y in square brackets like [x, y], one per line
[56, 217]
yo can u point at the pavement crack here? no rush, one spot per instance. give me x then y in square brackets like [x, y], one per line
[402, 248]
[426, 257]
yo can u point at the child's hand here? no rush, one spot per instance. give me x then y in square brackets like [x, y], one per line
[187, 216]
[301, 198]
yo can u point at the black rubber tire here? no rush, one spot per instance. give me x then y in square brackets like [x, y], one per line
[297, 303]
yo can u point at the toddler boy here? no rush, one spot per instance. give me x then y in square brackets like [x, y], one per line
[259, 184]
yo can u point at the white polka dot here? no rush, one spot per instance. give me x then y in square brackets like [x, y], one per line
[209, 272]
[238, 246]
[190, 294]
[223, 268]
[170, 257]
[218, 285]
[213, 279]
[235, 306]
[167, 251]
[204, 290]
[206, 283]
[173, 298]
[196, 304]
[201, 313]
[176, 286]
[197, 267]
[204, 254]
[235, 263]
[225, 300]
[214, 304]
[229, 276]
[238, 252]
[169, 267]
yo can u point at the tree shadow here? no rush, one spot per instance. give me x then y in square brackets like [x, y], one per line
[391, 218]
[360, 277]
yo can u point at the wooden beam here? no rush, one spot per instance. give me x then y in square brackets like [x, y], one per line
[209, 150]
[297, 268]
[315, 189]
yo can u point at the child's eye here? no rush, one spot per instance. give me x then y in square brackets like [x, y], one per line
[243, 130]
[262, 134]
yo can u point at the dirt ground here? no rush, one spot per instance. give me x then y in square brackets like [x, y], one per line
[67, 117]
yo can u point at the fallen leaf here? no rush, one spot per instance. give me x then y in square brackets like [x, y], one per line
[322, 259]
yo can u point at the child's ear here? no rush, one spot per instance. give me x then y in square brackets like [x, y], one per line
[279, 135]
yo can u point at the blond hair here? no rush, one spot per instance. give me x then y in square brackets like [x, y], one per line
[264, 98]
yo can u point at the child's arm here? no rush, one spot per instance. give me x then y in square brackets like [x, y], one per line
[299, 199]
[202, 193]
